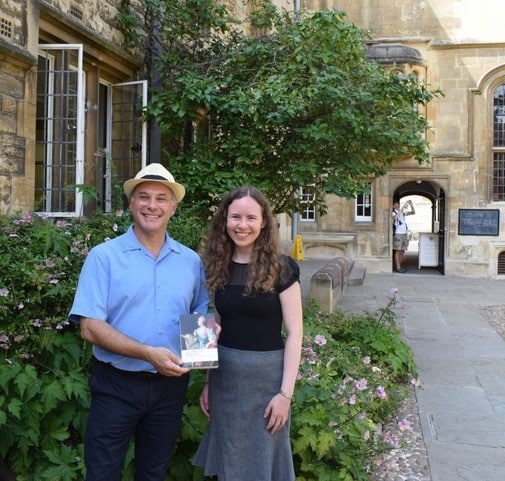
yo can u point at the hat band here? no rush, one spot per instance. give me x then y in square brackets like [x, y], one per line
[154, 177]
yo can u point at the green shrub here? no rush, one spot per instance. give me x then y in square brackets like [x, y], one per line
[352, 374]
[349, 385]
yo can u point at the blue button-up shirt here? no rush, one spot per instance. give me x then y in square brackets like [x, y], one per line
[121, 283]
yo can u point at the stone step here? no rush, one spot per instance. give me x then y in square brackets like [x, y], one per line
[356, 276]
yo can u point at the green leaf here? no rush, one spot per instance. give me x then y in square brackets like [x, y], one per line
[14, 408]
[53, 393]
[25, 379]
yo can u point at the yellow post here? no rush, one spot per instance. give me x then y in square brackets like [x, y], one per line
[297, 253]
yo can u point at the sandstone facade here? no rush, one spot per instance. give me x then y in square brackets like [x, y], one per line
[462, 49]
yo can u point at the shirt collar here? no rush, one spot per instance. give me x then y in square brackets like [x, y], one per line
[131, 243]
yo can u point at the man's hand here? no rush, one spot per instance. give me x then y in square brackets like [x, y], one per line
[166, 362]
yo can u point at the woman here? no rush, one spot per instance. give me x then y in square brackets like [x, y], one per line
[256, 293]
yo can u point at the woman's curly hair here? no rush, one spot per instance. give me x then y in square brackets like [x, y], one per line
[218, 249]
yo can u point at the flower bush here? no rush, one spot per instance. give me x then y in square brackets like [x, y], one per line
[353, 373]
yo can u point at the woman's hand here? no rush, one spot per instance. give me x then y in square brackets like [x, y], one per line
[278, 412]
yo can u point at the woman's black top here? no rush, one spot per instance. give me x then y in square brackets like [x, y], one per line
[253, 322]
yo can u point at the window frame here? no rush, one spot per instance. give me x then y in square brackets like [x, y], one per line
[498, 145]
[44, 51]
[366, 204]
[308, 214]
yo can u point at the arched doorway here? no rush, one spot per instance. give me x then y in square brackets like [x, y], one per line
[427, 226]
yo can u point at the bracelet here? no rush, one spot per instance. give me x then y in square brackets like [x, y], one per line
[283, 394]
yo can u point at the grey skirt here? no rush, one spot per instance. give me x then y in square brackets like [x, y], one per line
[237, 447]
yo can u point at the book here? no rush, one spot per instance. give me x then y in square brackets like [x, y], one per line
[199, 341]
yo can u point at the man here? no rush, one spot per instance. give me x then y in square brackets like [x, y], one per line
[131, 293]
[400, 236]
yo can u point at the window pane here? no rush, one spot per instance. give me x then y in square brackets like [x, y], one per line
[57, 116]
[499, 176]
[127, 143]
[309, 213]
[499, 116]
[363, 208]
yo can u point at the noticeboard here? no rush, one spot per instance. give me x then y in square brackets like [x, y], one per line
[479, 222]
[428, 249]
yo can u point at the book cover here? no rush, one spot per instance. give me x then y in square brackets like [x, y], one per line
[199, 341]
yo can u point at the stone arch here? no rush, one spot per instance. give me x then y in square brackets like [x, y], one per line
[435, 191]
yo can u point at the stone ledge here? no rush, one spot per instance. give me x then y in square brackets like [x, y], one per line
[328, 283]
[329, 244]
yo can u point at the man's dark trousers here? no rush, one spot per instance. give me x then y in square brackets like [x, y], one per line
[124, 404]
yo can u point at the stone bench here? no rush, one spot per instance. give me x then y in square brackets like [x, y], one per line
[328, 283]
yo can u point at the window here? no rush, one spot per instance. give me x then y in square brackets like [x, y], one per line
[363, 207]
[499, 143]
[59, 130]
[116, 140]
[306, 196]
[128, 136]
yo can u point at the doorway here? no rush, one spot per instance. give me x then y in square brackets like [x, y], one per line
[425, 253]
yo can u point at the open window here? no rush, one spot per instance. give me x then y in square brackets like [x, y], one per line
[59, 162]
[71, 157]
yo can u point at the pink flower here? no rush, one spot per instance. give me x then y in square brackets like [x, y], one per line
[415, 382]
[381, 392]
[320, 339]
[404, 425]
[361, 385]
[4, 292]
[367, 360]
[352, 399]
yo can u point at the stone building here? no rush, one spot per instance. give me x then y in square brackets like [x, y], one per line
[70, 89]
[457, 46]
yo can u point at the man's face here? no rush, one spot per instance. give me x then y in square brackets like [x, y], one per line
[152, 205]
[396, 205]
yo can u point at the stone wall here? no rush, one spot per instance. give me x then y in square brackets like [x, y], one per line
[22, 26]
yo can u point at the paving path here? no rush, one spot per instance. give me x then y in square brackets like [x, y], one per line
[461, 363]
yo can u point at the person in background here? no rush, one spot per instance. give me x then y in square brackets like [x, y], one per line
[256, 295]
[131, 292]
[400, 232]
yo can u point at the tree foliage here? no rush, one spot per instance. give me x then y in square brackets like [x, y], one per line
[292, 104]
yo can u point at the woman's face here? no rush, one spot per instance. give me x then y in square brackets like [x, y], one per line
[244, 222]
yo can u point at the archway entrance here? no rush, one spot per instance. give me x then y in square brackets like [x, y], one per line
[427, 226]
